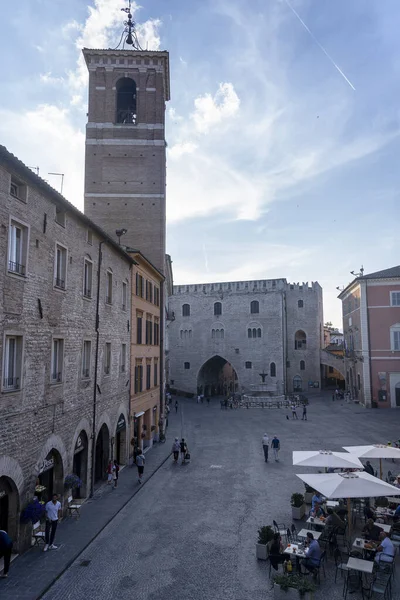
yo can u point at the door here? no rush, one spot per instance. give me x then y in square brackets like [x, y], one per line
[4, 512]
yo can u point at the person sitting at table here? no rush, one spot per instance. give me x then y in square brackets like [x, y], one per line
[369, 468]
[333, 521]
[396, 482]
[372, 531]
[316, 511]
[316, 499]
[313, 555]
[276, 554]
[369, 513]
[385, 551]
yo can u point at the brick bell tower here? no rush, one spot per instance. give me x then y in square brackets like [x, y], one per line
[125, 160]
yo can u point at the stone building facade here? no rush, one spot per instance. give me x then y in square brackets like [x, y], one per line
[146, 359]
[245, 336]
[58, 414]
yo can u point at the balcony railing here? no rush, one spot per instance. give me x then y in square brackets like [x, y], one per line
[56, 377]
[11, 383]
[15, 267]
[60, 283]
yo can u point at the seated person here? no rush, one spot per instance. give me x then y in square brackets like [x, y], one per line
[317, 499]
[333, 521]
[316, 511]
[313, 554]
[385, 551]
[397, 512]
[276, 556]
[371, 531]
[369, 513]
[396, 483]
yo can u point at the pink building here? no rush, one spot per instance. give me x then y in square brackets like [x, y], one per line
[371, 326]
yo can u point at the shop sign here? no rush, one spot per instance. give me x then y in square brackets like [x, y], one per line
[47, 464]
[79, 446]
[2, 493]
[121, 423]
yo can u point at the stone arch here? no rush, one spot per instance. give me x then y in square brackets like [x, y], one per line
[126, 100]
[10, 499]
[103, 419]
[121, 436]
[56, 443]
[83, 425]
[81, 456]
[300, 340]
[217, 376]
[10, 468]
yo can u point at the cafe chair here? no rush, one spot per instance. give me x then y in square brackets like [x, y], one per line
[321, 564]
[280, 528]
[293, 533]
[379, 588]
[339, 564]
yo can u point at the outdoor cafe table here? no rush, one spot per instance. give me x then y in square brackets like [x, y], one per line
[359, 544]
[386, 512]
[386, 528]
[332, 503]
[361, 566]
[303, 533]
[293, 550]
[393, 499]
[315, 521]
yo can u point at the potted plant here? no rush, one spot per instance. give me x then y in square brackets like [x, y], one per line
[298, 506]
[265, 535]
[294, 587]
[33, 512]
[72, 481]
[309, 493]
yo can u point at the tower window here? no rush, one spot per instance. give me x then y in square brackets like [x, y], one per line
[126, 101]
[300, 303]
[248, 364]
[186, 310]
[302, 365]
[254, 307]
[272, 369]
[186, 365]
[217, 308]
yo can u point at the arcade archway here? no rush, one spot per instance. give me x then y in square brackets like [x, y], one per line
[217, 377]
[102, 453]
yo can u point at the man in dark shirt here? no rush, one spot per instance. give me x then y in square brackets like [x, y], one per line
[371, 531]
[5, 551]
[368, 468]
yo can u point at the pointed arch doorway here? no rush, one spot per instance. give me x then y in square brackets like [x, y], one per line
[217, 377]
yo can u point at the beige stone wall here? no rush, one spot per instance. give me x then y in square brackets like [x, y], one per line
[146, 401]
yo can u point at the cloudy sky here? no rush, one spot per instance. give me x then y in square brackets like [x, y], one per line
[283, 129]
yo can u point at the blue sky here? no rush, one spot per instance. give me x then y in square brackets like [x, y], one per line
[277, 167]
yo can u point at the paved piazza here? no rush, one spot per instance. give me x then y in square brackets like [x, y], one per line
[190, 533]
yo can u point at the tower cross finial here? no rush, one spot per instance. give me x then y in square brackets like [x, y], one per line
[131, 38]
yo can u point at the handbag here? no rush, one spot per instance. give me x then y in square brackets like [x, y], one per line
[187, 456]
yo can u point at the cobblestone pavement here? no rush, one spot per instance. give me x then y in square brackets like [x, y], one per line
[190, 532]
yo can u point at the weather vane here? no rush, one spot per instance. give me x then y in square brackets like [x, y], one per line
[130, 38]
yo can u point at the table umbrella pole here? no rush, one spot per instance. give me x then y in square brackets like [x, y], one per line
[349, 515]
[380, 467]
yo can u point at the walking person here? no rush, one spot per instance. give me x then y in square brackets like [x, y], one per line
[304, 417]
[276, 446]
[294, 413]
[208, 400]
[53, 514]
[176, 406]
[175, 449]
[115, 473]
[140, 460]
[183, 449]
[6, 545]
[265, 444]
[109, 472]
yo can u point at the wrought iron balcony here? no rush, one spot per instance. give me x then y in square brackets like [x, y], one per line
[15, 267]
[11, 383]
[60, 283]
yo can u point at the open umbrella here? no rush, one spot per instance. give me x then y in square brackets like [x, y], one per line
[327, 459]
[349, 485]
[374, 451]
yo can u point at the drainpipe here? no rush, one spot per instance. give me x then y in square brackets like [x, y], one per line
[162, 378]
[96, 362]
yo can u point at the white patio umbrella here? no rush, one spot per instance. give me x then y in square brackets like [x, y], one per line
[327, 459]
[349, 485]
[374, 451]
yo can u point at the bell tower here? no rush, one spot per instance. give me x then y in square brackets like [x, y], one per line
[125, 159]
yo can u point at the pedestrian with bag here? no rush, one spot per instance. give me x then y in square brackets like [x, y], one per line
[183, 448]
[6, 545]
[176, 406]
[109, 472]
[175, 449]
[140, 461]
[304, 417]
[53, 514]
[265, 445]
[276, 446]
[115, 474]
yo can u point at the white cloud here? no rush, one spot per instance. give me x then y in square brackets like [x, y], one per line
[49, 142]
[50, 79]
[179, 149]
[210, 111]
